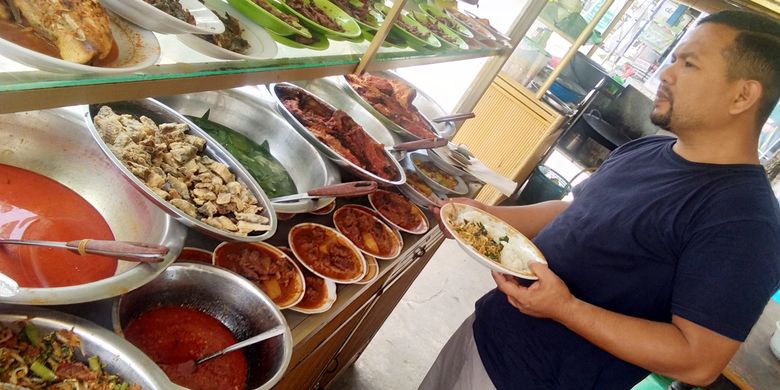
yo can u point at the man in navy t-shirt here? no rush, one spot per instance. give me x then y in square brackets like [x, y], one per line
[667, 255]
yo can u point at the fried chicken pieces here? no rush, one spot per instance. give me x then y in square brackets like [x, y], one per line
[79, 28]
[393, 99]
[337, 130]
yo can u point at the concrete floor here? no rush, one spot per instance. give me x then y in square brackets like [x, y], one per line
[407, 344]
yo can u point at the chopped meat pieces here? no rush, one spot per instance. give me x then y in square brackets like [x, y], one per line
[365, 231]
[231, 39]
[273, 273]
[173, 8]
[393, 99]
[326, 252]
[313, 12]
[337, 130]
[398, 210]
[172, 165]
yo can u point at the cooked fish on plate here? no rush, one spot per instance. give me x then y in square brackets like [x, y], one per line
[76, 36]
[78, 29]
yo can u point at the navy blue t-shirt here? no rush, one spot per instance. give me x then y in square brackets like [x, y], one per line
[649, 235]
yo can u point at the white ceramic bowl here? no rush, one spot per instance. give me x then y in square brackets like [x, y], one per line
[399, 244]
[261, 45]
[361, 259]
[151, 18]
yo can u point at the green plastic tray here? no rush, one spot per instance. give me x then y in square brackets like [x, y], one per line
[350, 26]
[445, 44]
[266, 19]
[439, 13]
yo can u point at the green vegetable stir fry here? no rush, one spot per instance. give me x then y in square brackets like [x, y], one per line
[31, 360]
[257, 159]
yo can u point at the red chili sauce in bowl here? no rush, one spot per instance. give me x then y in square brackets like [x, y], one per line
[35, 207]
[174, 335]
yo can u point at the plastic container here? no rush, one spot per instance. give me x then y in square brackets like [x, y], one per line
[543, 185]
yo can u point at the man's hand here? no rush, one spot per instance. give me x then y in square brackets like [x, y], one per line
[548, 297]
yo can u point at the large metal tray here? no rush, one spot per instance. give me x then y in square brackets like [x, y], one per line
[424, 103]
[117, 354]
[328, 89]
[250, 112]
[160, 113]
[56, 144]
[398, 179]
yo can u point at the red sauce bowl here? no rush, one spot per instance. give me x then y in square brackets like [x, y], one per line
[267, 267]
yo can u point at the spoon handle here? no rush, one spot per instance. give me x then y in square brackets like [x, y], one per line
[137, 251]
[252, 340]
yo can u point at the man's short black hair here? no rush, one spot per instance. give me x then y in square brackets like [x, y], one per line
[754, 55]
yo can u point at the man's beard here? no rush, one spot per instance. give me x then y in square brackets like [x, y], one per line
[662, 120]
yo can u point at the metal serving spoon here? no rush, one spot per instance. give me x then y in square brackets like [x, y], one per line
[126, 250]
[190, 366]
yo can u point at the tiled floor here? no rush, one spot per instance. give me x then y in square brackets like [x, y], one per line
[409, 341]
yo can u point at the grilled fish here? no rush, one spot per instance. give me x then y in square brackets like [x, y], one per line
[79, 28]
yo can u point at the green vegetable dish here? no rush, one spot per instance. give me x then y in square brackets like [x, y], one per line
[31, 360]
[257, 159]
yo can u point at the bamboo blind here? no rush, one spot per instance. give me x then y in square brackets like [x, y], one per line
[511, 133]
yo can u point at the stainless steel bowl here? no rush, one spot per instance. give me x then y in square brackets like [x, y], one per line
[398, 178]
[160, 113]
[424, 103]
[461, 187]
[415, 196]
[236, 302]
[56, 144]
[251, 112]
[119, 356]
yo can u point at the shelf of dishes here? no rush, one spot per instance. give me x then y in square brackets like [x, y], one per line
[134, 44]
[215, 162]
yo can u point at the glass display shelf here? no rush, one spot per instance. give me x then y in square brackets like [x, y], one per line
[184, 70]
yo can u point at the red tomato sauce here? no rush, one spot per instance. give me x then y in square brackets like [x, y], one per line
[36, 207]
[173, 335]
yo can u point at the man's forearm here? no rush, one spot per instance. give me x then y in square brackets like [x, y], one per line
[529, 219]
[656, 346]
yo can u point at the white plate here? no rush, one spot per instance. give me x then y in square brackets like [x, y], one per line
[330, 291]
[138, 49]
[151, 18]
[460, 188]
[447, 214]
[372, 270]
[378, 219]
[261, 45]
[343, 239]
[421, 230]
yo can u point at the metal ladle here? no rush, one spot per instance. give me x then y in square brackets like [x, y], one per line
[190, 366]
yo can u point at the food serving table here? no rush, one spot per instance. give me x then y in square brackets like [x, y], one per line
[324, 344]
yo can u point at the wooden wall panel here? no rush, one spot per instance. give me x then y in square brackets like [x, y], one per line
[510, 134]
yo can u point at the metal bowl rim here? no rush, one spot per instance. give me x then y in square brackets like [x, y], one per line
[166, 206]
[330, 152]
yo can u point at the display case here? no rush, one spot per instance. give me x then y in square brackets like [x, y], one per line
[323, 344]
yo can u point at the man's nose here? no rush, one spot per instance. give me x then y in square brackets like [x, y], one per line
[667, 74]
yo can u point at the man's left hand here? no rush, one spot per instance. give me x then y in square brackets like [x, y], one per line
[548, 297]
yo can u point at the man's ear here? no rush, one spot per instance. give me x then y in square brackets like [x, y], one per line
[748, 95]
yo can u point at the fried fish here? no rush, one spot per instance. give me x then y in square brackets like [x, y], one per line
[79, 28]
